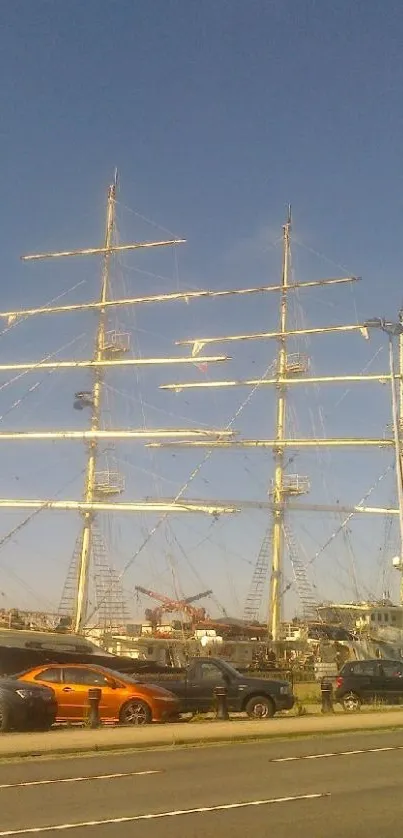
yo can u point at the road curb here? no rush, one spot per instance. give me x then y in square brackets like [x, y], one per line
[196, 741]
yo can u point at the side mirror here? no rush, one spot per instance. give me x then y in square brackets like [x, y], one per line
[113, 685]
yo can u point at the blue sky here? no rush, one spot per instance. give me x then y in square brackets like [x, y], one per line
[216, 114]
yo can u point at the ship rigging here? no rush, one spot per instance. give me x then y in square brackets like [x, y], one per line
[289, 372]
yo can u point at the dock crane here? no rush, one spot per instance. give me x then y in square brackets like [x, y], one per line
[169, 605]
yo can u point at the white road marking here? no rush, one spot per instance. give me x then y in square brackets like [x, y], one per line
[285, 759]
[123, 774]
[318, 756]
[77, 779]
[392, 748]
[37, 830]
[338, 754]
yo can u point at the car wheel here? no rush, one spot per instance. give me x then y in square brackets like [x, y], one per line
[260, 707]
[351, 702]
[135, 712]
[5, 721]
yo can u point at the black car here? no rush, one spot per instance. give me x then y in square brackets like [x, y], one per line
[362, 682]
[26, 707]
[260, 698]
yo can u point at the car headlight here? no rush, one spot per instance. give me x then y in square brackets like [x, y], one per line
[24, 693]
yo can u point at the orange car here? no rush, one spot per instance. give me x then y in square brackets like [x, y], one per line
[123, 700]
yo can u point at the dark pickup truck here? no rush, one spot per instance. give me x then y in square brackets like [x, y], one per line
[260, 698]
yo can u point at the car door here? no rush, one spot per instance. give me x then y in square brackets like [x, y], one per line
[370, 679]
[207, 676]
[392, 672]
[73, 701]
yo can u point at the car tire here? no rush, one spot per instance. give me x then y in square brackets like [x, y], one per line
[351, 702]
[260, 707]
[135, 712]
[5, 719]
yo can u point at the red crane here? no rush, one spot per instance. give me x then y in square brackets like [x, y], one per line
[170, 605]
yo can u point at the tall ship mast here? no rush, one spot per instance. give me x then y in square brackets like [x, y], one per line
[108, 350]
[288, 371]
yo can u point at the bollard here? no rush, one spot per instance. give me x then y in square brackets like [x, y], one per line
[94, 698]
[327, 696]
[221, 703]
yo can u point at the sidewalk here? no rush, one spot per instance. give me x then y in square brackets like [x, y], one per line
[76, 741]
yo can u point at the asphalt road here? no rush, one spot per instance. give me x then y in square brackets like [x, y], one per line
[318, 788]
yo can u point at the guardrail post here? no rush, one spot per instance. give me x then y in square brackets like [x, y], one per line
[221, 703]
[326, 689]
[94, 698]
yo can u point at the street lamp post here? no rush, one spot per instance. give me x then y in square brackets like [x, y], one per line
[393, 330]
